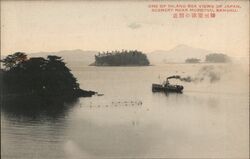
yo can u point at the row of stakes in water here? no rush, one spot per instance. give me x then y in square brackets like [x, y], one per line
[116, 104]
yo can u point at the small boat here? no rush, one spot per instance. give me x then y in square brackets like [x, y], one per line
[167, 87]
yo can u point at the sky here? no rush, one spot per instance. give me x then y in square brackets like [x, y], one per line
[34, 26]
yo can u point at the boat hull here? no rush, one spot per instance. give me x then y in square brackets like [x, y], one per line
[167, 88]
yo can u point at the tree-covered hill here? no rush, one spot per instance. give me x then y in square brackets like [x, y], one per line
[23, 76]
[121, 58]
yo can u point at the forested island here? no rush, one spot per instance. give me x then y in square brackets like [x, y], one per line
[211, 58]
[217, 58]
[38, 77]
[121, 58]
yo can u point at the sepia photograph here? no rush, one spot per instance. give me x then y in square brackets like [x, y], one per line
[162, 79]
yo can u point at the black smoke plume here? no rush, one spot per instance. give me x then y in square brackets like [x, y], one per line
[206, 72]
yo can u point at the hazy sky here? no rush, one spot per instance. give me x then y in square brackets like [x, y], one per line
[31, 26]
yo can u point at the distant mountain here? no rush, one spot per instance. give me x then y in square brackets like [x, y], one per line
[177, 55]
[71, 57]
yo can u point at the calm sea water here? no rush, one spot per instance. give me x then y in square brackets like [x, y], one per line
[208, 120]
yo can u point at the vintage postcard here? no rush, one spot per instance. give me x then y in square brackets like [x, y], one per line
[124, 79]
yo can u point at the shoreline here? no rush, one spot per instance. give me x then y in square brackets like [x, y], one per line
[43, 95]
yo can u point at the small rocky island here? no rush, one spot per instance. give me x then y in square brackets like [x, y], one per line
[38, 78]
[121, 58]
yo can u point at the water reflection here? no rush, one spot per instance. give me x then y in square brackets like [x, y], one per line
[129, 139]
[33, 107]
[34, 127]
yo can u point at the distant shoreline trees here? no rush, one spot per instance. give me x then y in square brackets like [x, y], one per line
[211, 58]
[192, 60]
[121, 58]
